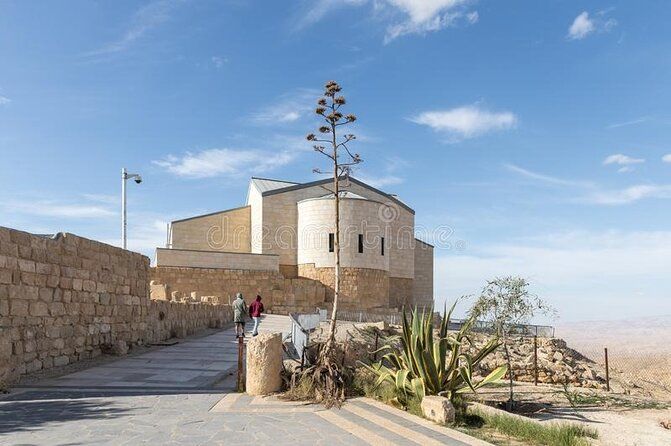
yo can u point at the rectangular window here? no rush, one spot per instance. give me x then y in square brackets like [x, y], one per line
[360, 243]
[331, 242]
[382, 245]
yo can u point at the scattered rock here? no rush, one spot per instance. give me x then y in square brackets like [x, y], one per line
[120, 348]
[438, 409]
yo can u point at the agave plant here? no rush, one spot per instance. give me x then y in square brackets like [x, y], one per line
[425, 365]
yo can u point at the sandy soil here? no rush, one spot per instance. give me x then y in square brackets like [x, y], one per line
[619, 423]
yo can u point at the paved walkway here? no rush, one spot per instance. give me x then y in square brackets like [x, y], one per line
[196, 363]
[178, 395]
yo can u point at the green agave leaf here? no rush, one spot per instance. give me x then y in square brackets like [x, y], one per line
[494, 375]
[418, 388]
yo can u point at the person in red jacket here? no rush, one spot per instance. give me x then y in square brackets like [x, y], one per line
[255, 310]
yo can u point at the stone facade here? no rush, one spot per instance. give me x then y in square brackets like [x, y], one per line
[280, 295]
[295, 221]
[216, 259]
[422, 285]
[68, 298]
[401, 292]
[360, 288]
[227, 231]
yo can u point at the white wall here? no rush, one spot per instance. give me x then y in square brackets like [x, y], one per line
[316, 220]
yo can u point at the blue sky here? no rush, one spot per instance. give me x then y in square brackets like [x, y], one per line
[535, 131]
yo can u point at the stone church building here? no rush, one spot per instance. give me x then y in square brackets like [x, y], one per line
[288, 228]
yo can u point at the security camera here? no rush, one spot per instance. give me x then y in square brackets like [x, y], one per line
[138, 179]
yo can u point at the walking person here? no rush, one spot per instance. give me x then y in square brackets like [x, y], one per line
[239, 313]
[255, 310]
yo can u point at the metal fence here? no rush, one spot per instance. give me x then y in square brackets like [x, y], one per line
[365, 316]
[643, 368]
[529, 330]
[300, 337]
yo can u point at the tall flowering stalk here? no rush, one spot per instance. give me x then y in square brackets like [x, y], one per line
[328, 143]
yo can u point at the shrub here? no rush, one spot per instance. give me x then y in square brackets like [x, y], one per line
[424, 366]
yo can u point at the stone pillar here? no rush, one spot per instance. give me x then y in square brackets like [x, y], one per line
[264, 364]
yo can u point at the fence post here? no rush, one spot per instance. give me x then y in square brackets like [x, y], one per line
[377, 335]
[241, 348]
[535, 360]
[605, 353]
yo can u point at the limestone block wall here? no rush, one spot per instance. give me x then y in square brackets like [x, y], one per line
[278, 225]
[228, 231]
[316, 219]
[401, 292]
[280, 295]
[216, 259]
[67, 298]
[360, 288]
[423, 284]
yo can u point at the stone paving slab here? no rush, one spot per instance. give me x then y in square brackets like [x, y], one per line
[192, 363]
[143, 400]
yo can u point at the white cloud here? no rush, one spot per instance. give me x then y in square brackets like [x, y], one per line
[144, 20]
[545, 178]
[218, 61]
[667, 158]
[58, 210]
[625, 161]
[290, 107]
[584, 25]
[622, 160]
[590, 193]
[428, 15]
[411, 16]
[584, 274]
[224, 162]
[629, 194]
[581, 26]
[389, 175]
[467, 121]
[4, 100]
[381, 181]
[628, 123]
[146, 232]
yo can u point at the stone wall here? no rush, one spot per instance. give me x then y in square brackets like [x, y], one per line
[401, 292]
[216, 259]
[220, 231]
[275, 227]
[68, 298]
[360, 288]
[280, 295]
[422, 291]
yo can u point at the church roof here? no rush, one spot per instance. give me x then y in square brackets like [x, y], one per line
[266, 184]
[289, 186]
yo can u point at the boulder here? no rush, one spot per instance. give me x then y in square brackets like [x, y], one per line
[438, 409]
[264, 364]
[120, 348]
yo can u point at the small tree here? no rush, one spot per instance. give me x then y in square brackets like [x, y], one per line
[506, 302]
[336, 149]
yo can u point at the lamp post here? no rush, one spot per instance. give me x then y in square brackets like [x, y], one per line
[125, 176]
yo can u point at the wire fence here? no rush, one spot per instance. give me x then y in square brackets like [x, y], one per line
[629, 367]
[396, 318]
